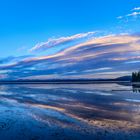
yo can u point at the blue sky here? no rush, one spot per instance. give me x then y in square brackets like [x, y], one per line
[26, 25]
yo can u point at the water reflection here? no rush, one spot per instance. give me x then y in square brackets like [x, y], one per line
[136, 89]
[97, 111]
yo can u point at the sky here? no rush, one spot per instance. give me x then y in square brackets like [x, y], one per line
[58, 39]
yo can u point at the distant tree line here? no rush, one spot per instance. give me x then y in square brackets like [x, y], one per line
[136, 76]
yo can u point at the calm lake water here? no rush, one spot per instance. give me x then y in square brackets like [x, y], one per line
[69, 112]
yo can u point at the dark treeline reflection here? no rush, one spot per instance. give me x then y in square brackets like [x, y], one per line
[136, 89]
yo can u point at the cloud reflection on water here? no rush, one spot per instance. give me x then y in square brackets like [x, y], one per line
[74, 107]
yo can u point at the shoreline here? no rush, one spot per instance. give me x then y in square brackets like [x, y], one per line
[64, 82]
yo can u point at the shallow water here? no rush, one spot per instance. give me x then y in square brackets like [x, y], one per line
[69, 112]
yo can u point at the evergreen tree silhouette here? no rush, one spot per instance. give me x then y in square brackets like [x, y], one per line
[136, 76]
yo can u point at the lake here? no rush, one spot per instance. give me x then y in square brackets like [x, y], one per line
[69, 112]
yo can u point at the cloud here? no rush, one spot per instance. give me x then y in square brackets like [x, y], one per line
[134, 14]
[119, 17]
[136, 9]
[12, 59]
[59, 41]
[130, 62]
[106, 56]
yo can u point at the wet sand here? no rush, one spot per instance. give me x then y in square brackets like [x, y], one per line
[69, 112]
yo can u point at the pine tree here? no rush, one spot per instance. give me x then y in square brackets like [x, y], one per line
[136, 76]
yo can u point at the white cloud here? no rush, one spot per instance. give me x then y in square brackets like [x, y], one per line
[59, 41]
[119, 17]
[132, 62]
[134, 14]
[136, 9]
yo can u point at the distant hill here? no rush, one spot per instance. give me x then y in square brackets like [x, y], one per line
[66, 81]
[124, 78]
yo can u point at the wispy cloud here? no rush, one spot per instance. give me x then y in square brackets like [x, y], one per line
[111, 55]
[60, 41]
[136, 9]
[119, 17]
[134, 13]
